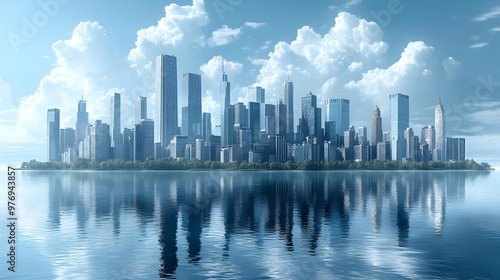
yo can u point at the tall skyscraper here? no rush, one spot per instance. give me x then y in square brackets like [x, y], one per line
[400, 121]
[53, 124]
[377, 134]
[82, 121]
[206, 126]
[363, 136]
[310, 117]
[141, 109]
[100, 139]
[428, 136]
[337, 110]
[281, 117]
[192, 96]
[66, 139]
[254, 120]
[116, 136]
[225, 103]
[288, 99]
[241, 115]
[166, 120]
[260, 95]
[440, 125]
[143, 140]
[410, 144]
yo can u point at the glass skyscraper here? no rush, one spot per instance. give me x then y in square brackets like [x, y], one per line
[192, 100]
[141, 109]
[439, 152]
[288, 100]
[166, 116]
[53, 124]
[225, 103]
[337, 110]
[400, 121]
[116, 136]
[82, 121]
[377, 134]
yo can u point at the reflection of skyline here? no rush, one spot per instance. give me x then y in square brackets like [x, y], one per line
[296, 207]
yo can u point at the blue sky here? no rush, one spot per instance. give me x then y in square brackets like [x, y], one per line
[52, 53]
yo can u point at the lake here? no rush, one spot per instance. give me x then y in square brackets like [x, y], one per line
[255, 225]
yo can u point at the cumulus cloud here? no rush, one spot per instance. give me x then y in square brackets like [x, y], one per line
[355, 66]
[254, 25]
[181, 27]
[451, 66]
[223, 36]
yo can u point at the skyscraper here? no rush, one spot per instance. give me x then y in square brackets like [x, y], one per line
[377, 134]
[206, 126]
[82, 121]
[53, 123]
[400, 121]
[225, 103]
[428, 136]
[241, 115]
[337, 110]
[100, 141]
[288, 99]
[141, 109]
[363, 136]
[143, 140]
[260, 95]
[116, 136]
[281, 117]
[166, 120]
[254, 120]
[440, 125]
[192, 95]
[410, 144]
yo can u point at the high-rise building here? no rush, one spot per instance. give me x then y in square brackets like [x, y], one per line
[225, 103]
[254, 120]
[144, 140]
[377, 134]
[166, 120]
[288, 99]
[384, 150]
[100, 139]
[337, 110]
[66, 139]
[400, 121]
[192, 96]
[82, 121]
[116, 136]
[412, 145]
[440, 125]
[281, 118]
[362, 136]
[331, 132]
[241, 115]
[281, 149]
[206, 126]
[178, 146]
[428, 136]
[454, 149]
[260, 95]
[53, 123]
[128, 144]
[141, 109]
[311, 116]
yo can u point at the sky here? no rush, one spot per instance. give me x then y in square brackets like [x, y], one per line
[53, 52]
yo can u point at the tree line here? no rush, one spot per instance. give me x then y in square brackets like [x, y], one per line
[196, 164]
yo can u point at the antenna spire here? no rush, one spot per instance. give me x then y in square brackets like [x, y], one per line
[222, 60]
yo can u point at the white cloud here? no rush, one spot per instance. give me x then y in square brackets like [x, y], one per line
[495, 29]
[355, 66]
[451, 66]
[223, 36]
[380, 81]
[213, 68]
[492, 13]
[254, 25]
[182, 27]
[352, 3]
[479, 45]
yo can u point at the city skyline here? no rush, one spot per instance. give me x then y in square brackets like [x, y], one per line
[258, 52]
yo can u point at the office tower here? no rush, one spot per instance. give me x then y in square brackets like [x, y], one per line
[100, 139]
[201, 149]
[461, 149]
[454, 149]
[377, 134]
[254, 120]
[225, 100]
[166, 122]
[281, 118]
[116, 136]
[400, 121]
[361, 152]
[229, 129]
[281, 149]
[53, 122]
[206, 126]
[66, 139]
[330, 150]
[192, 100]
[349, 135]
[428, 136]
[384, 150]
[82, 121]
[143, 142]
[141, 109]
[337, 110]
[178, 146]
[288, 99]
[271, 126]
[440, 126]
[128, 144]
[331, 132]
[266, 110]
[241, 115]
[387, 136]
[411, 145]
[363, 136]
[260, 95]
[311, 116]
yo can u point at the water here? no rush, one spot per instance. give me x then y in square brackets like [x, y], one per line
[256, 225]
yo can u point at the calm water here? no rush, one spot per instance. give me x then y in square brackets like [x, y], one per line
[256, 225]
